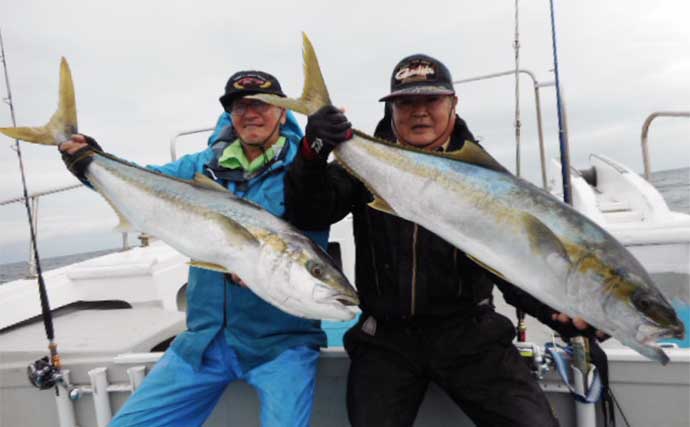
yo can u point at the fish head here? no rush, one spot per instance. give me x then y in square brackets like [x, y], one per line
[642, 312]
[308, 282]
[661, 320]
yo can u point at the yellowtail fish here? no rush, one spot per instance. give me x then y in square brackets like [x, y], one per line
[207, 223]
[509, 226]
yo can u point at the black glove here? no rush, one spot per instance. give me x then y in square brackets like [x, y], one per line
[77, 162]
[325, 129]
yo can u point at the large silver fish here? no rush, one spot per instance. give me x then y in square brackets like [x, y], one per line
[509, 226]
[207, 223]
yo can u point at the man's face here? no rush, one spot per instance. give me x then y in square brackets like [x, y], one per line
[256, 122]
[421, 120]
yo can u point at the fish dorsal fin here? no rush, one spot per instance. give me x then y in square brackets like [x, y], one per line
[209, 266]
[472, 153]
[206, 182]
[381, 205]
[62, 124]
[314, 94]
[545, 243]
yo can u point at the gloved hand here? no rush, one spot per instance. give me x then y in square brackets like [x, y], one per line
[325, 129]
[77, 154]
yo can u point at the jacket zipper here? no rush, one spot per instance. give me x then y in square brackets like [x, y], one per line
[414, 269]
[371, 250]
[455, 270]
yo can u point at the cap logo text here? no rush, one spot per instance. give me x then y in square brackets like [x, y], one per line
[415, 71]
[251, 83]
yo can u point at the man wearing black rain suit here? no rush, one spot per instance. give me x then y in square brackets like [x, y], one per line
[427, 313]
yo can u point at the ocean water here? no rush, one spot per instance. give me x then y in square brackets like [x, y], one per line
[674, 185]
[19, 270]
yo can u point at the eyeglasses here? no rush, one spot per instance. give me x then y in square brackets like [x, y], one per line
[240, 107]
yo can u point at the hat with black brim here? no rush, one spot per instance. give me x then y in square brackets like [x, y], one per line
[420, 75]
[245, 83]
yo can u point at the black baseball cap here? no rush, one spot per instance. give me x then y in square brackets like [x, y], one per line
[420, 75]
[250, 82]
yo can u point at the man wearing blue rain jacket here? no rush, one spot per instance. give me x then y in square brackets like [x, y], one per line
[231, 333]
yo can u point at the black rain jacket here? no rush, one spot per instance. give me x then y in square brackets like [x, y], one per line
[402, 270]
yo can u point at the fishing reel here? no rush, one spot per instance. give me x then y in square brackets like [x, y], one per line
[533, 355]
[43, 375]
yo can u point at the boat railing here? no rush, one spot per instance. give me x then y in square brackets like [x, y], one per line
[645, 134]
[536, 84]
[173, 140]
[33, 201]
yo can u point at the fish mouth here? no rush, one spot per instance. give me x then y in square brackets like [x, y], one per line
[653, 333]
[327, 295]
[347, 300]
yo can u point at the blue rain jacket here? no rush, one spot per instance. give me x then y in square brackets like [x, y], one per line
[254, 329]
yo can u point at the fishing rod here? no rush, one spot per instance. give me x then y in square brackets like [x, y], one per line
[562, 130]
[45, 372]
[521, 329]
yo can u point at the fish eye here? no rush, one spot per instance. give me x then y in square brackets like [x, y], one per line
[315, 269]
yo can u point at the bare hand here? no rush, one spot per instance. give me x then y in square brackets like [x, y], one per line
[74, 144]
[579, 324]
[235, 278]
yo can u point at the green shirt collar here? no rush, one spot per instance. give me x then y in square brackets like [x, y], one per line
[233, 156]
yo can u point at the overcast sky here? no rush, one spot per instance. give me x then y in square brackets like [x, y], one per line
[145, 70]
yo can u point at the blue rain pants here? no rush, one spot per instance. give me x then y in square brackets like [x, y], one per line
[175, 395]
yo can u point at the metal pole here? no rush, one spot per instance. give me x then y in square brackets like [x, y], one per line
[537, 85]
[173, 140]
[542, 151]
[516, 46]
[101, 400]
[65, 406]
[645, 134]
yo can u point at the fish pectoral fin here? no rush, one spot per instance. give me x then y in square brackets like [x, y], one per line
[472, 153]
[124, 226]
[62, 124]
[237, 234]
[486, 267]
[544, 242]
[206, 182]
[381, 205]
[209, 266]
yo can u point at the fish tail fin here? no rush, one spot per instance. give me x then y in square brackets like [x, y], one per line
[314, 95]
[61, 125]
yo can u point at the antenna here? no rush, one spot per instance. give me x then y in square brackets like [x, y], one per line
[518, 124]
[8, 99]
